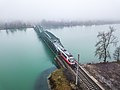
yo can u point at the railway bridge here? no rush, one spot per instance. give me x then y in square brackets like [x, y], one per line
[76, 71]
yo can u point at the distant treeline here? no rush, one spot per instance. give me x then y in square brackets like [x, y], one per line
[52, 24]
[61, 24]
[14, 25]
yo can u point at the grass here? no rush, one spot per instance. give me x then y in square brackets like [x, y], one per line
[58, 81]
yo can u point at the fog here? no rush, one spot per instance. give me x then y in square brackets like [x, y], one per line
[36, 10]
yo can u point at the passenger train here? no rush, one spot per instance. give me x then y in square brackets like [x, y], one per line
[65, 54]
[56, 46]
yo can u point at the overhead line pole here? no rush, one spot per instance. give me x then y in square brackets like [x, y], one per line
[77, 70]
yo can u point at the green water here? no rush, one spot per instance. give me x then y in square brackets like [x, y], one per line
[25, 61]
[23, 57]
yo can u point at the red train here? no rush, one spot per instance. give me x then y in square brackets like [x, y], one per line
[65, 55]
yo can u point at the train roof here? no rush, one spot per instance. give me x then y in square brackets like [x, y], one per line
[51, 37]
[63, 50]
[69, 54]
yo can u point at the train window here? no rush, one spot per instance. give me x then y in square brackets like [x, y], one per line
[54, 41]
[64, 50]
[70, 55]
[64, 55]
[71, 60]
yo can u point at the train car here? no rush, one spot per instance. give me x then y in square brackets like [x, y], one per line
[65, 55]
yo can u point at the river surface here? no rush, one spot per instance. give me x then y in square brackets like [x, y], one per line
[82, 40]
[25, 61]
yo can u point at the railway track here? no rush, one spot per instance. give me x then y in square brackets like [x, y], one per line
[88, 82]
[83, 77]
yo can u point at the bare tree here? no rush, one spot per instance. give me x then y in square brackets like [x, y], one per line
[117, 54]
[103, 44]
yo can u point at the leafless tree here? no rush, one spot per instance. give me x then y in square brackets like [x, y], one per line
[105, 39]
[116, 54]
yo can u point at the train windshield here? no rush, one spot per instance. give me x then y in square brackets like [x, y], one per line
[71, 60]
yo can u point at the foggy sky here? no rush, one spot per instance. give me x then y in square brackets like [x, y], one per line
[36, 10]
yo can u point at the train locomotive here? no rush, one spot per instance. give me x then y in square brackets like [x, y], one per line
[65, 55]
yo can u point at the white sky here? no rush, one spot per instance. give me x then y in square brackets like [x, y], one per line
[36, 10]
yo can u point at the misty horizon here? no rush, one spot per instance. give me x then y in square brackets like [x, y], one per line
[59, 10]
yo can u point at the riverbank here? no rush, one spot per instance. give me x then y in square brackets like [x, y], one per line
[108, 74]
[43, 78]
[58, 81]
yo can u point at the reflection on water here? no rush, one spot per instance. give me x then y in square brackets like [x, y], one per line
[15, 30]
[8, 31]
[41, 82]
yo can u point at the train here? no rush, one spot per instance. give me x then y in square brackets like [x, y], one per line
[65, 55]
[55, 45]
[58, 48]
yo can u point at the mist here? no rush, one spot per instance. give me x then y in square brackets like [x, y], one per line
[37, 10]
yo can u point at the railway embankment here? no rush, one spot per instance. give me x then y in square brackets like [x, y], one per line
[59, 81]
[108, 74]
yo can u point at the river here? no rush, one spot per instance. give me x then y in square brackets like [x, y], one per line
[25, 61]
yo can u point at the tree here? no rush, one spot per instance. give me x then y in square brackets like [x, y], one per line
[117, 54]
[104, 42]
